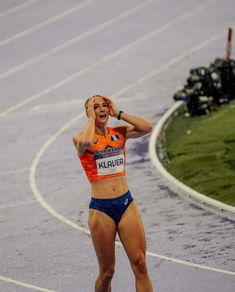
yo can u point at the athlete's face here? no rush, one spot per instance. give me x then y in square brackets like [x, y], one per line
[101, 109]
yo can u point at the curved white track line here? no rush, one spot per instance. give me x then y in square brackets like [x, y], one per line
[39, 197]
[176, 185]
[108, 58]
[25, 285]
[32, 177]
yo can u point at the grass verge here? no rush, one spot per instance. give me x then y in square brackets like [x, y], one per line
[201, 151]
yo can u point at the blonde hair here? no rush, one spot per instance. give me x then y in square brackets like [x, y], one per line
[86, 102]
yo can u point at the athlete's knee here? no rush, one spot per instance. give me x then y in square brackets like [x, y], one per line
[139, 265]
[106, 275]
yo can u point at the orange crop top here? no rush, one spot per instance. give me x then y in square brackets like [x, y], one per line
[106, 157]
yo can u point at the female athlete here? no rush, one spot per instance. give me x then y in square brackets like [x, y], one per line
[112, 210]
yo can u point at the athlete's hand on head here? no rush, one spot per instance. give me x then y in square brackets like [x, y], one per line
[90, 108]
[113, 110]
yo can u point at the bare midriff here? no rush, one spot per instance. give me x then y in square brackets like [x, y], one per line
[109, 188]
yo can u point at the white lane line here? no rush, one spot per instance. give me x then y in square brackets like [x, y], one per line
[18, 7]
[8, 206]
[190, 264]
[104, 59]
[60, 105]
[39, 197]
[25, 285]
[75, 102]
[170, 63]
[74, 39]
[20, 170]
[45, 23]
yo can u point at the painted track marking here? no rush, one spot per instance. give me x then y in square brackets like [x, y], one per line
[20, 170]
[61, 105]
[32, 176]
[25, 285]
[44, 23]
[74, 39]
[17, 8]
[170, 63]
[105, 59]
[74, 102]
[8, 206]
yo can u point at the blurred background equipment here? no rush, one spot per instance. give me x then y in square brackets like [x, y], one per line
[208, 87]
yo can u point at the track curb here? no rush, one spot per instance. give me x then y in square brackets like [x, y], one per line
[156, 150]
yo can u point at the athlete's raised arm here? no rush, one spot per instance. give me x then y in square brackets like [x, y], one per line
[138, 126]
[84, 140]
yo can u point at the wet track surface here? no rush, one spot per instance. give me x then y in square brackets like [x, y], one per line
[53, 54]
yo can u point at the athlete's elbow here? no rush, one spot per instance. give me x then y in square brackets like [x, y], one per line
[75, 141]
[149, 127]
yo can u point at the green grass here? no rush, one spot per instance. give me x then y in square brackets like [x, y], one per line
[201, 151]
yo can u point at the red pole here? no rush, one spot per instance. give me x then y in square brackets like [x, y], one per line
[229, 44]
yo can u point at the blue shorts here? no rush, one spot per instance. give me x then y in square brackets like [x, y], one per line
[114, 207]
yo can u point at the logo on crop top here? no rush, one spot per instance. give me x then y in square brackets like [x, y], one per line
[107, 152]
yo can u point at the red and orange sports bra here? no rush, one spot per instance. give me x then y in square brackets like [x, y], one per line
[106, 157]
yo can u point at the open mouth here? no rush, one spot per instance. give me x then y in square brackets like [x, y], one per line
[103, 115]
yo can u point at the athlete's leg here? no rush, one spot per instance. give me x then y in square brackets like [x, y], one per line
[103, 232]
[131, 233]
